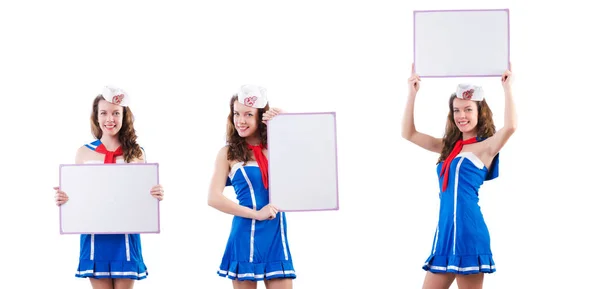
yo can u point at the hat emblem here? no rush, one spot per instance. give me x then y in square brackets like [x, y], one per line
[117, 99]
[468, 94]
[250, 100]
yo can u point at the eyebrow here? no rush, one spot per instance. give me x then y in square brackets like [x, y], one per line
[468, 106]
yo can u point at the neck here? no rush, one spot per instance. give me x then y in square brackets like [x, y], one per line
[253, 140]
[468, 135]
[111, 143]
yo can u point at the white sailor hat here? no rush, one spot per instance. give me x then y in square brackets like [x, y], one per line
[116, 95]
[252, 96]
[469, 92]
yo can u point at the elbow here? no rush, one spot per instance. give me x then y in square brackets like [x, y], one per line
[212, 202]
[512, 127]
[404, 134]
[408, 131]
[509, 129]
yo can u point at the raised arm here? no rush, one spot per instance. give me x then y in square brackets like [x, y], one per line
[409, 132]
[499, 139]
[216, 199]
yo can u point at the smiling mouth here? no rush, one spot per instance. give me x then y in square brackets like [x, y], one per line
[109, 126]
[463, 123]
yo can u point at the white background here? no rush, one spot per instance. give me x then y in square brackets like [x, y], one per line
[182, 61]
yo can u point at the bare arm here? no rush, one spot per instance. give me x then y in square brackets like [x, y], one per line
[60, 196]
[157, 191]
[499, 139]
[216, 199]
[143, 159]
[81, 154]
[409, 132]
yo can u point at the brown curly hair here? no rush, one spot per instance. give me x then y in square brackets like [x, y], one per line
[127, 136]
[485, 126]
[238, 150]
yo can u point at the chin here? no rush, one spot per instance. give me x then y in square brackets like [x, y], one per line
[110, 132]
[245, 133]
[468, 130]
[465, 129]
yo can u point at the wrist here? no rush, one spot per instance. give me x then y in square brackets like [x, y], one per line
[253, 214]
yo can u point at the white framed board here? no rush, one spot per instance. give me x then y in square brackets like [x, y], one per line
[461, 43]
[303, 170]
[109, 198]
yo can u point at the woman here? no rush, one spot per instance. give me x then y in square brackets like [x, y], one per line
[111, 261]
[468, 157]
[257, 248]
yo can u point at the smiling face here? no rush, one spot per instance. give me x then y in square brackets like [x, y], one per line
[465, 115]
[245, 119]
[110, 117]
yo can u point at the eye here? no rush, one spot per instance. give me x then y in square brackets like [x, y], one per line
[117, 113]
[102, 113]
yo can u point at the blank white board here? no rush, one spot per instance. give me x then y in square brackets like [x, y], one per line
[461, 43]
[303, 174]
[109, 199]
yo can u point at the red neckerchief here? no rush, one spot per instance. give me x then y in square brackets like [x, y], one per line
[455, 151]
[263, 163]
[109, 157]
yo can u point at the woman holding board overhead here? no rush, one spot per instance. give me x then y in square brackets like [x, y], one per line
[111, 261]
[257, 248]
[468, 157]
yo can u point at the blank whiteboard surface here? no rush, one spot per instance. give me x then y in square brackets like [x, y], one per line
[461, 43]
[109, 199]
[303, 162]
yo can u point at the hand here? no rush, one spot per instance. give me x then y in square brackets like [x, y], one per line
[414, 82]
[507, 78]
[60, 197]
[268, 212]
[157, 192]
[270, 114]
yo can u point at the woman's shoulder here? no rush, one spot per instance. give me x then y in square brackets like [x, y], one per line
[223, 152]
[223, 156]
[86, 151]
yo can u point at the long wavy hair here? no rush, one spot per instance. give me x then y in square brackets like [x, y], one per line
[238, 149]
[126, 135]
[485, 126]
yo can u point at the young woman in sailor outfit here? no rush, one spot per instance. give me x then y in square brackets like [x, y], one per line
[257, 248]
[111, 261]
[468, 157]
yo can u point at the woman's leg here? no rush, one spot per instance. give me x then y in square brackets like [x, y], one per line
[438, 280]
[102, 283]
[279, 283]
[244, 284]
[474, 281]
